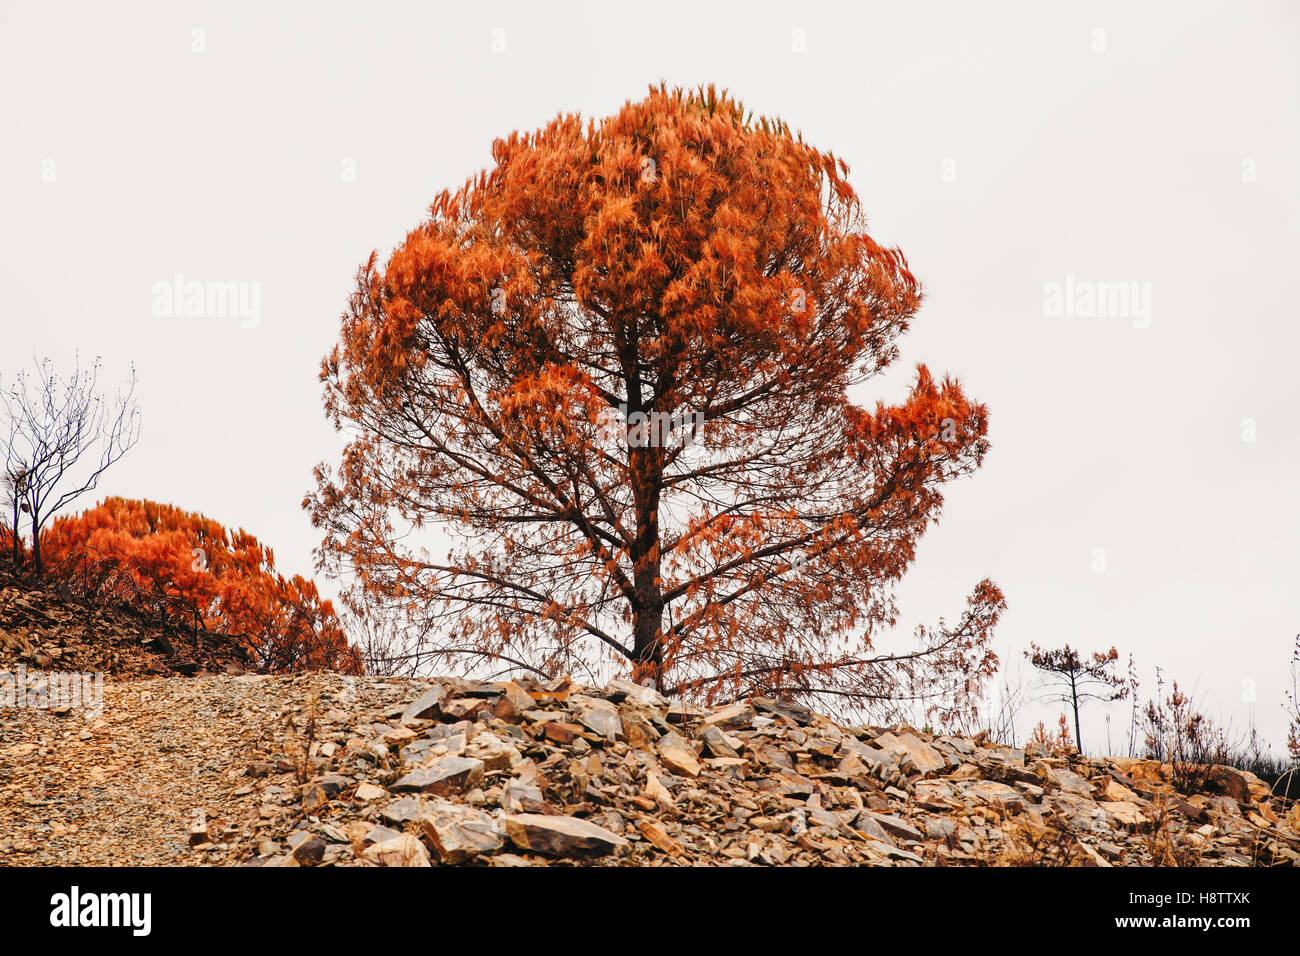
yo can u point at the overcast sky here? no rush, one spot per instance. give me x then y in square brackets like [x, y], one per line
[1142, 490]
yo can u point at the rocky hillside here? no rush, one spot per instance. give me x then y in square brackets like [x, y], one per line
[43, 629]
[326, 770]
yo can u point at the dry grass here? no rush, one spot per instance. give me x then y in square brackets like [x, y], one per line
[1177, 733]
[300, 737]
[1164, 845]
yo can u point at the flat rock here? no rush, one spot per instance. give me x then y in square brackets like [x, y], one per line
[560, 836]
[924, 758]
[679, 760]
[444, 776]
[458, 834]
[403, 850]
[600, 717]
[993, 792]
[1070, 782]
[1129, 814]
[426, 706]
[732, 717]
[620, 690]
[897, 827]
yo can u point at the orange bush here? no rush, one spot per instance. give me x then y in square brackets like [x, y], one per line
[1052, 742]
[197, 573]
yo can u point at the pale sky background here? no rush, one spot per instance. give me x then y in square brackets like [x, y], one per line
[1001, 145]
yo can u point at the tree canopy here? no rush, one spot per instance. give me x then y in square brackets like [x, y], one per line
[615, 370]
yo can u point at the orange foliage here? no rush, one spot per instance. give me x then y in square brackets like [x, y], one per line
[197, 573]
[677, 257]
[1058, 742]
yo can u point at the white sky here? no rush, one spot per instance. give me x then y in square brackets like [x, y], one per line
[1124, 164]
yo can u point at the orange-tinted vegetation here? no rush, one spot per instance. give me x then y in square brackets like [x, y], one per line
[197, 573]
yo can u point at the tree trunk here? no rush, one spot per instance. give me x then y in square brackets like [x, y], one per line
[37, 566]
[648, 609]
[1074, 699]
[645, 467]
[18, 541]
[647, 646]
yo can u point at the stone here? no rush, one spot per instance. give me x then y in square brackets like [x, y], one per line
[399, 812]
[994, 793]
[398, 736]
[936, 795]
[199, 832]
[464, 708]
[923, 758]
[494, 752]
[458, 834]
[794, 785]
[402, 850]
[659, 795]
[866, 823]
[717, 743]
[601, 718]
[314, 796]
[874, 757]
[620, 776]
[1069, 781]
[640, 734]
[796, 714]
[619, 690]
[1140, 768]
[560, 836]
[514, 700]
[737, 768]
[1225, 806]
[941, 828]
[1235, 783]
[520, 795]
[426, 706]
[897, 853]
[1079, 813]
[732, 717]
[680, 712]
[1008, 769]
[895, 826]
[1115, 791]
[368, 791]
[1091, 857]
[307, 848]
[1129, 814]
[679, 760]
[444, 776]
[561, 732]
[656, 835]
[377, 834]
[557, 690]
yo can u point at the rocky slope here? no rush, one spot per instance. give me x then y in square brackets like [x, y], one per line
[43, 629]
[328, 770]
